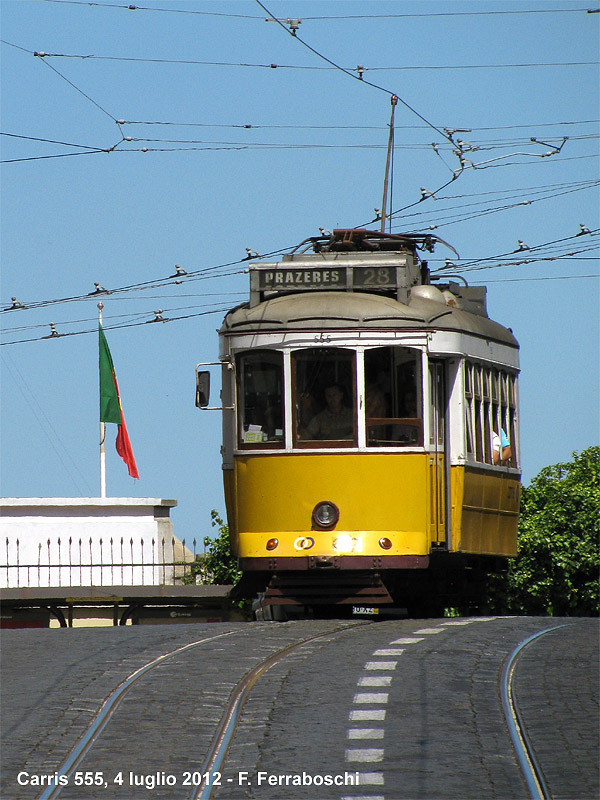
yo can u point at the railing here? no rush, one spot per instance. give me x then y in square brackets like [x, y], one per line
[98, 562]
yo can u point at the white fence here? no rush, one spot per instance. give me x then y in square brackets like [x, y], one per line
[91, 542]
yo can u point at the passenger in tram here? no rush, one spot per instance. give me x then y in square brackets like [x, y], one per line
[408, 433]
[375, 408]
[501, 449]
[335, 421]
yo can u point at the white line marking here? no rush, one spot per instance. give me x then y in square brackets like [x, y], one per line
[364, 797]
[407, 640]
[371, 778]
[430, 631]
[365, 733]
[371, 697]
[458, 622]
[381, 665]
[365, 715]
[389, 651]
[368, 755]
[376, 680]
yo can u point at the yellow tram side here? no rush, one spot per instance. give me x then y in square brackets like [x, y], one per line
[418, 498]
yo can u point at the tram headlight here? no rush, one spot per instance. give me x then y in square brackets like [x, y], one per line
[272, 544]
[343, 543]
[385, 543]
[325, 515]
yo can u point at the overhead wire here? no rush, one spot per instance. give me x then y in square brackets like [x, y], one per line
[306, 67]
[547, 251]
[360, 78]
[434, 221]
[56, 335]
[46, 425]
[323, 18]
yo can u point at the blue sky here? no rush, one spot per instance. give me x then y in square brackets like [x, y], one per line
[121, 203]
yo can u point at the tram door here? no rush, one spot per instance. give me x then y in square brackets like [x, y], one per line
[437, 438]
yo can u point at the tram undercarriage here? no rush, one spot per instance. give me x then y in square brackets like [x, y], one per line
[449, 581]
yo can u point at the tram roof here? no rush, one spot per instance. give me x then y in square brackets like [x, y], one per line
[428, 308]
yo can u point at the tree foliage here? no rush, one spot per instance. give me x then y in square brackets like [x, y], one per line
[557, 568]
[219, 565]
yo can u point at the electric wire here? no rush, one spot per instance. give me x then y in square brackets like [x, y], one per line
[325, 18]
[546, 252]
[348, 127]
[432, 221]
[350, 73]
[306, 67]
[56, 442]
[77, 89]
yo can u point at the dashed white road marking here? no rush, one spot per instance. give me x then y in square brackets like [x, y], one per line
[389, 651]
[371, 697]
[430, 631]
[365, 733]
[367, 714]
[407, 640]
[375, 680]
[370, 779]
[458, 622]
[381, 665]
[365, 755]
[365, 797]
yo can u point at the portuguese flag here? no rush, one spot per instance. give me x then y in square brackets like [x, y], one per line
[110, 404]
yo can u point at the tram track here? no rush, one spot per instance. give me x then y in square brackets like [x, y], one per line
[105, 714]
[198, 781]
[228, 722]
[242, 734]
[526, 756]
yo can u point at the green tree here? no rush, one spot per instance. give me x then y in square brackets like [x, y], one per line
[557, 568]
[219, 564]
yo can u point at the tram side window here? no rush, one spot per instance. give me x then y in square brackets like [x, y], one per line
[469, 411]
[490, 415]
[260, 399]
[324, 392]
[393, 397]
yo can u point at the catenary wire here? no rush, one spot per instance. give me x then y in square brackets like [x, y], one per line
[323, 18]
[306, 67]
[361, 79]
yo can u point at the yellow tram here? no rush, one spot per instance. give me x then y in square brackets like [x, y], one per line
[370, 429]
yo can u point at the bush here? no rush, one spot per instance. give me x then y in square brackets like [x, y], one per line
[557, 567]
[219, 565]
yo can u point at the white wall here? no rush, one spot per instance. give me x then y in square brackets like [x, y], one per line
[88, 541]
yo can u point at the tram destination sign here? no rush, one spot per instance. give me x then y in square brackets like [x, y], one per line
[341, 278]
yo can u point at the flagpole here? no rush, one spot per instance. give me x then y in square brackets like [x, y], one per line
[102, 433]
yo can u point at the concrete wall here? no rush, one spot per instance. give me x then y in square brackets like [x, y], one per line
[88, 541]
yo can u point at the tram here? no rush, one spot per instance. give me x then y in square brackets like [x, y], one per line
[370, 430]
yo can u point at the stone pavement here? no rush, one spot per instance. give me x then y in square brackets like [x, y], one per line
[439, 733]
[556, 690]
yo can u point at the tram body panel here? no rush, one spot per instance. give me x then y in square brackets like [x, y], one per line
[396, 496]
[376, 494]
[487, 510]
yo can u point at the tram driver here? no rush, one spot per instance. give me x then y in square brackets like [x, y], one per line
[335, 421]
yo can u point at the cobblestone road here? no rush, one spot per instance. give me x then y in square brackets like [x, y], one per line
[410, 707]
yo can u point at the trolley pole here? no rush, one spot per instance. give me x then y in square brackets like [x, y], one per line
[388, 163]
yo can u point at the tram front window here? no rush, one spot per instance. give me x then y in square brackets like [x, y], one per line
[393, 397]
[260, 399]
[324, 397]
